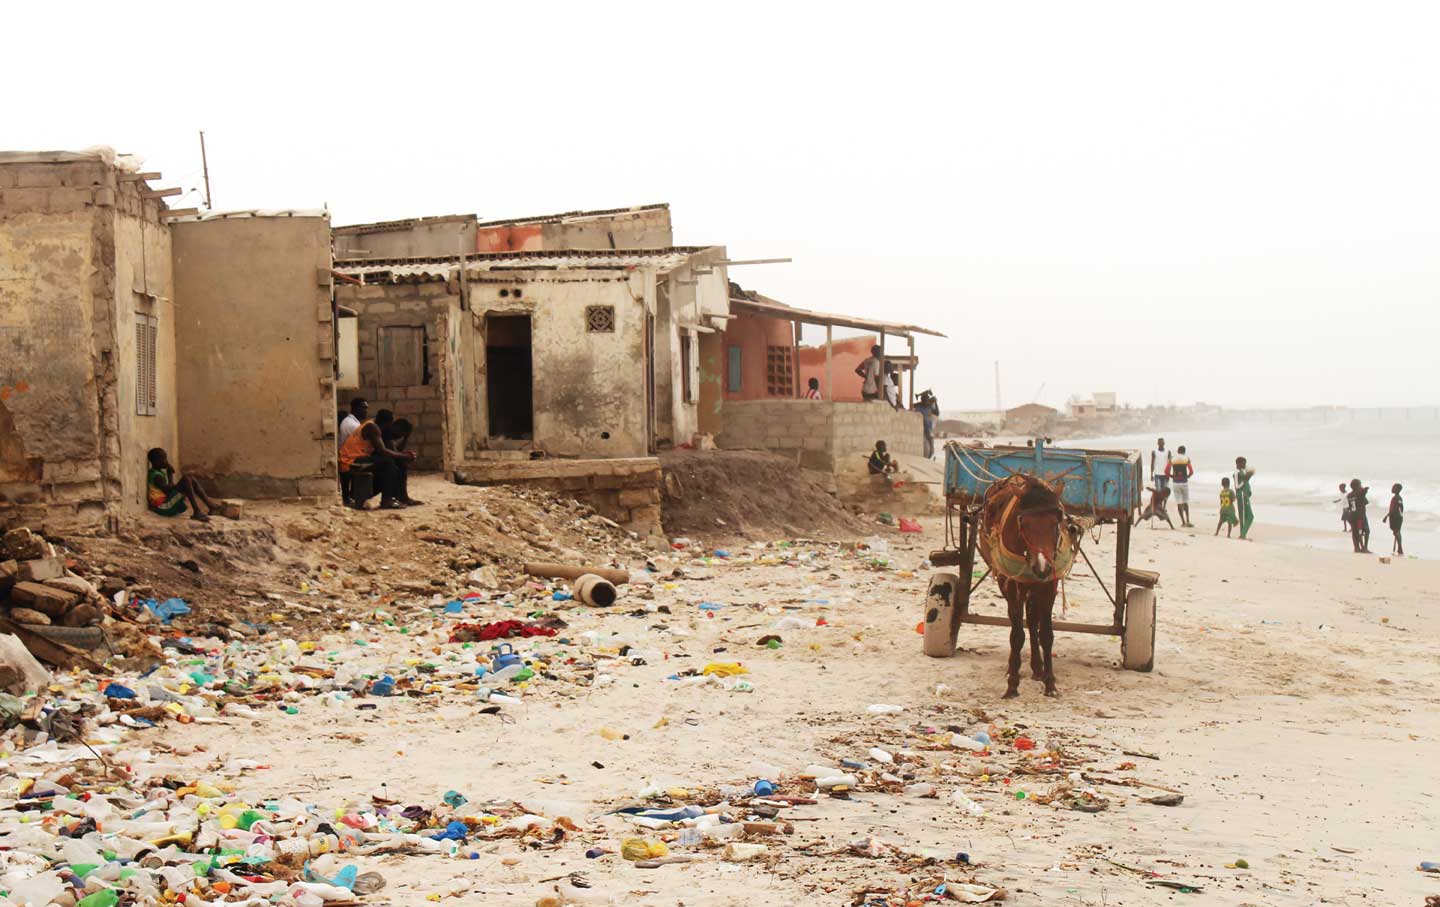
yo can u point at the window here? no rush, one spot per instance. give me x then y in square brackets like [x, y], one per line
[732, 370]
[780, 371]
[403, 361]
[147, 330]
[599, 319]
[687, 365]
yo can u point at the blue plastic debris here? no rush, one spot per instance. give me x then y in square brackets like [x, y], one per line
[455, 799]
[710, 606]
[454, 607]
[116, 691]
[167, 610]
[764, 788]
[383, 687]
[455, 831]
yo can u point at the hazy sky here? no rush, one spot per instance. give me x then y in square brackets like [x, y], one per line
[1229, 202]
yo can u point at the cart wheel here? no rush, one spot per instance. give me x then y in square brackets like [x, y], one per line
[945, 606]
[1137, 645]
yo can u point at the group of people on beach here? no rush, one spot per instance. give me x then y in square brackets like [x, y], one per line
[1354, 502]
[1170, 475]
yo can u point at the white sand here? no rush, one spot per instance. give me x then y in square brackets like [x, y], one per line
[1296, 720]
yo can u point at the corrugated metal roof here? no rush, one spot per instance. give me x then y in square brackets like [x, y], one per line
[762, 305]
[574, 215]
[570, 260]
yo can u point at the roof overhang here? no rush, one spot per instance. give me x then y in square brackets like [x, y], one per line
[775, 309]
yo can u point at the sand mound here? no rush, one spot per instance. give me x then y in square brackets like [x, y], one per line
[749, 494]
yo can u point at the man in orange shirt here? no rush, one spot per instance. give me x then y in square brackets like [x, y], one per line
[366, 446]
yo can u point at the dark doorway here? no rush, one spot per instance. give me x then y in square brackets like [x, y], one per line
[509, 377]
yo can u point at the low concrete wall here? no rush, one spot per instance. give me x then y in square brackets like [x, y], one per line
[625, 490]
[836, 437]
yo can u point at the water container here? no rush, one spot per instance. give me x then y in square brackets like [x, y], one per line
[504, 657]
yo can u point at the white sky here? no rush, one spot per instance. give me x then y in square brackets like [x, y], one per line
[1228, 202]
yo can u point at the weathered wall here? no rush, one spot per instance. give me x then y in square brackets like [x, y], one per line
[589, 388]
[144, 284]
[708, 410]
[625, 490]
[819, 434]
[422, 237]
[72, 230]
[256, 358]
[429, 305]
[642, 228]
[684, 300]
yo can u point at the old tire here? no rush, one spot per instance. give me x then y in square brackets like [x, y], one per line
[79, 637]
[1137, 645]
[944, 609]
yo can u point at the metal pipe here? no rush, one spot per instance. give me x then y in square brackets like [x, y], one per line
[565, 571]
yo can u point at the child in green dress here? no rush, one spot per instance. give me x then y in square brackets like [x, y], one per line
[1228, 519]
[166, 495]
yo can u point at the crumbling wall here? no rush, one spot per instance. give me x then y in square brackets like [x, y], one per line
[425, 305]
[256, 354]
[589, 386]
[55, 263]
[632, 228]
[418, 237]
[625, 490]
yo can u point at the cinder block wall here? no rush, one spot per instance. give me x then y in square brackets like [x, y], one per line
[859, 425]
[820, 435]
[799, 428]
[405, 304]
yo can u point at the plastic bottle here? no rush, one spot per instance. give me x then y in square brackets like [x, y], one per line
[962, 800]
[105, 897]
[741, 852]
[880, 755]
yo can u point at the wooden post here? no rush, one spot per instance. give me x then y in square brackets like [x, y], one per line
[829, 364]
[795, 359]
[914, 364]
[205, 165]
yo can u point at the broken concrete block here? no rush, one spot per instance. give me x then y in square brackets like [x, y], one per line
[24, 545]
[230, 508]
[20, 673]
[29, 616]
[38, 571]
[75, 584]
[9, 573]
[82, 615]
[42, 598]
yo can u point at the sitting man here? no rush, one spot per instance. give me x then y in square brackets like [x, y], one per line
[166, 493]
[881, 463]
[367, 447]
[397, 435]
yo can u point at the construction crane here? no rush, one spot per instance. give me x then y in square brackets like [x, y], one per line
[1038, 391]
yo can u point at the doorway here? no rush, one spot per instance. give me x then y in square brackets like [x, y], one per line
[510, 377]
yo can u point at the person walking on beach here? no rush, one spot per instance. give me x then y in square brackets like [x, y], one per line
[1227, 508]
[1180, 470]
[1344, 502]
[1359, 520]
[1242, 477]
[1159, 464]
[1395, 516]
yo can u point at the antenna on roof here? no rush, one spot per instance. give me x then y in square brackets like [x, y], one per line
[205, 165]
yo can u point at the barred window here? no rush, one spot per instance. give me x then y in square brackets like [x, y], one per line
[780, 371]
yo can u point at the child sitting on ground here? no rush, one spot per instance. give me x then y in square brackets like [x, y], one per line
[167, 495]
[1228, 519]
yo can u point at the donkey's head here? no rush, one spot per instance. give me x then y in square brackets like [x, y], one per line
[1041, 518]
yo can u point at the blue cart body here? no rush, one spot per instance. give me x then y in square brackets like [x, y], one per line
[1104, 484]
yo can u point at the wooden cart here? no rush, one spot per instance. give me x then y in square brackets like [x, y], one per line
[1100, 486]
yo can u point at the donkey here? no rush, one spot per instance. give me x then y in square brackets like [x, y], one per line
[1029, 544]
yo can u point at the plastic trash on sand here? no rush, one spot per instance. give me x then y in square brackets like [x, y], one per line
[882, 708]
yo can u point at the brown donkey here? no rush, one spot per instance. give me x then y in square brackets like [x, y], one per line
[1029, 544]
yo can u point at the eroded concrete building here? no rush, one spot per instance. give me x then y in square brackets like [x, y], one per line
[126, 325]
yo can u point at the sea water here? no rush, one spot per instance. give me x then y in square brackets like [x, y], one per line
[1297, 468]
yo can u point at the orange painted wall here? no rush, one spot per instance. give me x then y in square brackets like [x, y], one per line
[847, 355]
[752, 333]
[517, 238]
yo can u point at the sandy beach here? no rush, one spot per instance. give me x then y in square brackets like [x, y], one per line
[1292, 688]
